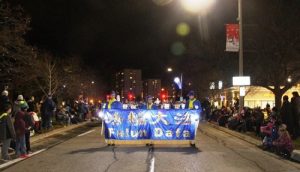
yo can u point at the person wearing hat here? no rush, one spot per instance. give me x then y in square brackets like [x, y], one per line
[7, 130]
[20, 128]
[18, 103]
[113, 103]
[192, 102]
[283, 144]
[4, 100]
[149, 105]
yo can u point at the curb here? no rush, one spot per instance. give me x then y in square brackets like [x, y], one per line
[295, 154]
[39, 137]
[248, 139]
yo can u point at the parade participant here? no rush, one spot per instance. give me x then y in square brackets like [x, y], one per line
[192, 103]
[113, 103]
[149, 105]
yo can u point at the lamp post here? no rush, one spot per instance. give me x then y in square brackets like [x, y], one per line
[178, 81]
[241, 56]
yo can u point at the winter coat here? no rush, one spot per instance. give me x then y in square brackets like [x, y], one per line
[20, 124]
[31, 105]
[284, 141]
[7, 130]
[48, 107]
[3, 100]
[295, 101]
[287, 116]
[17, 106]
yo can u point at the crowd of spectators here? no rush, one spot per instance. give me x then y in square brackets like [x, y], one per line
[21, 119]
[276, 127]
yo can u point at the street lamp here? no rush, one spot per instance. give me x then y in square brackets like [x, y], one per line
[196, 6]
[179, 83]
[289, 79]
[177, 80]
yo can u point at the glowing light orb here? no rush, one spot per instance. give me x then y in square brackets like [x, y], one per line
[183, 29]
[178, 48]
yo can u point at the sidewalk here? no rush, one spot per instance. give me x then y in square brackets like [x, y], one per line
[257, 142]
[39, 137]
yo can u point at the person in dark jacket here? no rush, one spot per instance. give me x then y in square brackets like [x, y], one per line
[7, 131]
[31, 105]
[4, 100]
[20, 128]
[286, 115]
[47, 110]
[29, 125]
[295, 103]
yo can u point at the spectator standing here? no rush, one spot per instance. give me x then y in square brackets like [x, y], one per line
[7, 131]
[295, 102]
[4, 100]
[31, 105]
[20, 128]
[47, 109]
[286, 115]
[29, 125]
[18, 103]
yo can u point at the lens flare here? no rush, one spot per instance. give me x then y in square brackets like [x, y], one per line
[183, 29]
[162, 2]
[178, 48]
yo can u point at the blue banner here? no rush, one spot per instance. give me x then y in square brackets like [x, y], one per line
[150, 124]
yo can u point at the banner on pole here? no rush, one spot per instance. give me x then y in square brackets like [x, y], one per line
[232, 37]
[150, 124]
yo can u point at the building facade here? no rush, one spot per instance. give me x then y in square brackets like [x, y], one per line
[151, 87]
[255, 96]
[129, 81]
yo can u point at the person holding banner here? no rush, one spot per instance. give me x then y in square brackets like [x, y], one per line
[192, 102]
[113, 103]
[149, 105]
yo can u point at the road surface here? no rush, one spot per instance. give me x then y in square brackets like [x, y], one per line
[216, 152]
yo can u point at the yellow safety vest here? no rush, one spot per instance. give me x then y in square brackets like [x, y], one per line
[3, 115]
[149, 106]
[110, 102]
[191, 103]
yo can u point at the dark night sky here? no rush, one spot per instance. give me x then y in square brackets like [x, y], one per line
[112, 34]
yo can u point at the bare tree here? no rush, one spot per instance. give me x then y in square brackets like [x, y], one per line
[277, 47]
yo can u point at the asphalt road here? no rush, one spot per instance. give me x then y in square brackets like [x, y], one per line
[216, 151]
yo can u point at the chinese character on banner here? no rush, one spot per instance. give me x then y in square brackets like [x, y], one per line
[232, 37]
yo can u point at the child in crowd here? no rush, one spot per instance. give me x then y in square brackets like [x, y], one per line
[283, 145]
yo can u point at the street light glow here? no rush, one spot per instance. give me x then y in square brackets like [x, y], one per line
[176, 80]
[196, 6]
[169, 69]
[289, 79]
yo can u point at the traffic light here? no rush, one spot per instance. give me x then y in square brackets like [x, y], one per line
[130, 96]
[163, 94]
